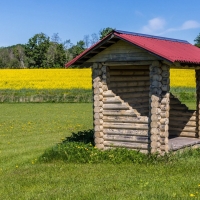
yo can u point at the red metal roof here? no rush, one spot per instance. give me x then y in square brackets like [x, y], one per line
[170, 49]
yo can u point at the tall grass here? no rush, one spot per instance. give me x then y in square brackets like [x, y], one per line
[76, 95]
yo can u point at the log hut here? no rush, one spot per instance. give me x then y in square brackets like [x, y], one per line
[133, 106]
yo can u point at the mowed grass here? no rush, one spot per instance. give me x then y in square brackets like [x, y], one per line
[27, 130]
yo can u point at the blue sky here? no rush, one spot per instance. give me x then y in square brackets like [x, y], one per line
[22, 19]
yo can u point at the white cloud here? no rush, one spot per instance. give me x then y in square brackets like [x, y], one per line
[189, 25]
[155, 24]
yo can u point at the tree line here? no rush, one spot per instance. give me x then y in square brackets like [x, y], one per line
[41, 51]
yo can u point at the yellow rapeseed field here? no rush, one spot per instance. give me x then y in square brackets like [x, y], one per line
[71, 78]
[45, 78]
[182, 78]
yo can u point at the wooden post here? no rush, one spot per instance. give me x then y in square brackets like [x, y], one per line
[159, 107]
[100, 78]
[198, 103]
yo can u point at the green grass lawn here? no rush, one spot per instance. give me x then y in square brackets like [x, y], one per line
[27, 130]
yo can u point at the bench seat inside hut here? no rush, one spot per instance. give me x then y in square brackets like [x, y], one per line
[133, 106]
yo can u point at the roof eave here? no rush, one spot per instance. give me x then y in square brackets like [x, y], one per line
[98, 47]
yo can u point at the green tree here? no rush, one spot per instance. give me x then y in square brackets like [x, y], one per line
[104, 32]
[56, 55]
[77, 49]
[197, 41]
[36, 51]
[18, 51]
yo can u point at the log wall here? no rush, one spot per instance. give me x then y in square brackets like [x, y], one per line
[134, 109]
[182, 122]
[122, 51]
[159, 107]
[116, 123]
[131, 83]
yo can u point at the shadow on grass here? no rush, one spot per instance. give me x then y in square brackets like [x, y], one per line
[86, 137]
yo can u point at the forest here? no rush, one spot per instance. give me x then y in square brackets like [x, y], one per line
[42, 51]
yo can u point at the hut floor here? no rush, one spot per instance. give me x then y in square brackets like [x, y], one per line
[177, 143]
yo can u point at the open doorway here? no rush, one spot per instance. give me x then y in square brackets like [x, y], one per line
[182, 117]
[183, 86]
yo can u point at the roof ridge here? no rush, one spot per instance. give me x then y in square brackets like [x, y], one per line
[151, 36]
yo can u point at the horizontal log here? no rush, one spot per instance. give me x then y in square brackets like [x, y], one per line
[126, 138]
[131, 89]
[182, 113]
[174, 101]
[137, 99]
[128, 72]
[115, 99]
[177, 118]
[135, 94]
[182, 124]
[183, 134]
[126, 144]
[185, 129]
[129, 84]
[125, 126]
[108, 93]
[125, 132]
[122, 106]
[120, 113]
[179, 107]
[128, 65]
[127, 78]
[125, 119]
[143, 111]
[140, 106]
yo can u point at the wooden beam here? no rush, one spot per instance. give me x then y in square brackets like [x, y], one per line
[127, 63]
[112, 42]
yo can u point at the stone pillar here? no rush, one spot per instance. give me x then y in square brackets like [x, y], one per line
[198, 103]
[159, 108]
[100, 76]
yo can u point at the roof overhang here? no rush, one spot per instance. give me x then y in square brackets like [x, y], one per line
[115, 36]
